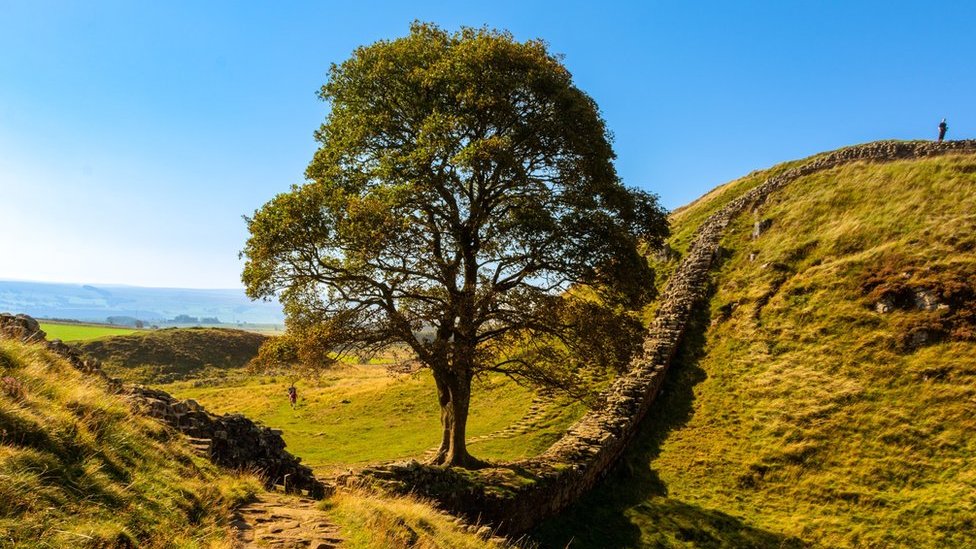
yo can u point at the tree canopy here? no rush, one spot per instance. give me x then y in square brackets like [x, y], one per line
[463, 202]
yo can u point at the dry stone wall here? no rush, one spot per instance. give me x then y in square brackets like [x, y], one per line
[232, 440]
[515, 497]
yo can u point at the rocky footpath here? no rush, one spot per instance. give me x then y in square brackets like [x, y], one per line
[516, 496]
[284, 522]
[231, 441]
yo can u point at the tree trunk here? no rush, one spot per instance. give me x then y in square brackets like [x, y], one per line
[455, 400]
[444, 399]
[457, 410]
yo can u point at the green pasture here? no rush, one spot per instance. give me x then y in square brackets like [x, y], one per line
[81, 332]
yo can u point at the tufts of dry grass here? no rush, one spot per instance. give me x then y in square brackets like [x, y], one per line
[79, 469]
[370, 521]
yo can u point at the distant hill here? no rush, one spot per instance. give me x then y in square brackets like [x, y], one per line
[173, 354]
[97, 303]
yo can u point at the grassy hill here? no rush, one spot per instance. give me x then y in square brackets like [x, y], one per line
[79, 469]
[161, 356]
[827, 394]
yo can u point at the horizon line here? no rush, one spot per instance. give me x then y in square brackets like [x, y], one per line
[115, 285]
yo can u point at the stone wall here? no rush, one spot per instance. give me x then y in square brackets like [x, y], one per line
[231, 440]
[515, 497]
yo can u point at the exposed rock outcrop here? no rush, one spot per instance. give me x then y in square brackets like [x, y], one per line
[926, 300]
[761, 226]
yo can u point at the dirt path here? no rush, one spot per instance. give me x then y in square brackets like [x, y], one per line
[282, 521]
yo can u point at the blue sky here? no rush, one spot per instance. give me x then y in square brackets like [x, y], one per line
[134, 135]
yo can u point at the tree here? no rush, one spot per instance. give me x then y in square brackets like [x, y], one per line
[464, 188]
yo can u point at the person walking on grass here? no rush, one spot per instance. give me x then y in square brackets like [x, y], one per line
[942, 129]
[293, 396]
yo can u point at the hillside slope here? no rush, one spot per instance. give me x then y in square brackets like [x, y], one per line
[826, 395]
[173, 354]
[79, 469]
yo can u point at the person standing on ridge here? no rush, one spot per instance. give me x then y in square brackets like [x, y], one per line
[293, 395]
[942, 129]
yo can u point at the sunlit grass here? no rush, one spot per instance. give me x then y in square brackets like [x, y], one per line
[81, 332]
[79, 469]
[171, 354]
[360, 414]
[370, 521]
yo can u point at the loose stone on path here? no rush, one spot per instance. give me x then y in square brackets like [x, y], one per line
[285, 522]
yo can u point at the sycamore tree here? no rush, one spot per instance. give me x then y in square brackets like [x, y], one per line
[463, 202]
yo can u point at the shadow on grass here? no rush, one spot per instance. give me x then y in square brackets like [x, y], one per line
[631, 508]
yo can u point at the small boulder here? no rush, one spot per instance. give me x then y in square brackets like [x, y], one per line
[926, 300]
[918, 338]
[665, 253]
[884, 305]
[759, 227]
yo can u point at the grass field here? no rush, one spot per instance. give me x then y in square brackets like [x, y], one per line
[81, 332]
[360, 414]
[351, 414]
[795, 415]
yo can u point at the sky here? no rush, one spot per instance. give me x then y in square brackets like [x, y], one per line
[134, 135]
